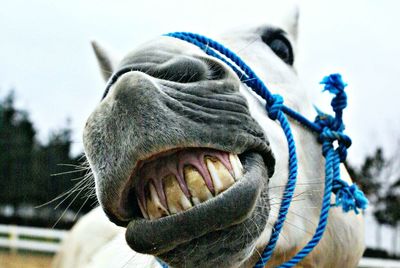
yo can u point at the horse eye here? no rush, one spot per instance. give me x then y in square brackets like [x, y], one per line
[281, 47]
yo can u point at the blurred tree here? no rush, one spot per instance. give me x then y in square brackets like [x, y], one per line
[369, 175]
[374, 177]
[26, 165]
[17, 141]
[60, 175]
[388, 210]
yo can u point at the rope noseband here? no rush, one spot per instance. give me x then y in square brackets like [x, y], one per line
[328, 128]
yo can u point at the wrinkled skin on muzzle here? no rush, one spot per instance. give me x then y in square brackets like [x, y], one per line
[177, 98]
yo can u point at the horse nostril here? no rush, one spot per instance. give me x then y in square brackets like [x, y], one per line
[184, 69]
[181, 69]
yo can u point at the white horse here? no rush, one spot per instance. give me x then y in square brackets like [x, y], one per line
[179, 105]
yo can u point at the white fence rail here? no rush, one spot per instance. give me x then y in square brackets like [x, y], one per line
[30, 238]
[378, 263]
[49, 240]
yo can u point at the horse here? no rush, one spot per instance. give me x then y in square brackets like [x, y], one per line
[190, 170]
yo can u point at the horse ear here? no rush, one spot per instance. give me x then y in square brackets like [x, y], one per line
[292, 21]
[106, 60]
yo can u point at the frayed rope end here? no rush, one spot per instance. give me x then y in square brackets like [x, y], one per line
[350, 198]
[333, 83]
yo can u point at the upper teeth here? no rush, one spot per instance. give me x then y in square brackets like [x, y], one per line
[221, 177]
[154, 207]
[236, 165]
[171, 199]
[176, 200]
[197, 187]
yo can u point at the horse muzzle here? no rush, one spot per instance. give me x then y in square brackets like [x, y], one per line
[175, 161]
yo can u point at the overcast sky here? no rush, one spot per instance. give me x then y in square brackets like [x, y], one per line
[45, 53]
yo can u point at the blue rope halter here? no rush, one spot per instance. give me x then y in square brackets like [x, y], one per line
[329, 129]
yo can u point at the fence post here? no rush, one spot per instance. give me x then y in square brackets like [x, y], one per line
[13, 239]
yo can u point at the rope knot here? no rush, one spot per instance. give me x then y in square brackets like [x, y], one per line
[335, 85]
[274, 106]
[350, 197]
[328, 136]
[332, 127]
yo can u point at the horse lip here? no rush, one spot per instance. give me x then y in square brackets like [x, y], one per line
[229, 208]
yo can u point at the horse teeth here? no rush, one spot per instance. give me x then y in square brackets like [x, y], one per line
[176, 199]
[176, 182]
[142, 209]
[155, 209]
[220, 175]
[197, 187]
[236, 166]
